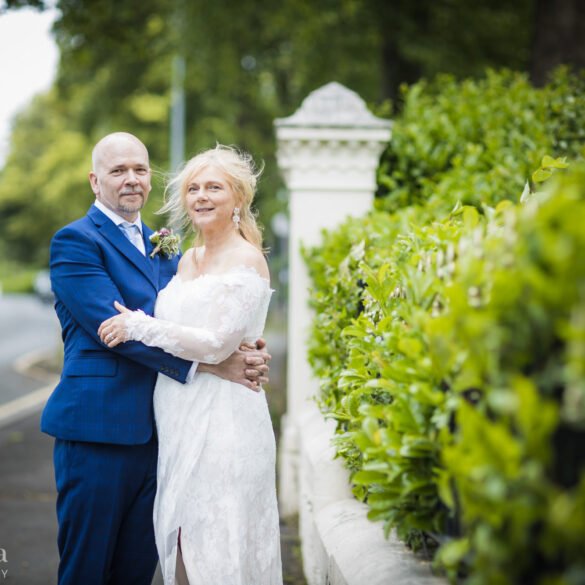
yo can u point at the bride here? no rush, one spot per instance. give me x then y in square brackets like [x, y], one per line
[215, 513]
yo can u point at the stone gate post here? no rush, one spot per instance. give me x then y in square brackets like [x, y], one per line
[328, 153]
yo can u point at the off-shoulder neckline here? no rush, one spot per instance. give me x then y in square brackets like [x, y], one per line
[236, 268]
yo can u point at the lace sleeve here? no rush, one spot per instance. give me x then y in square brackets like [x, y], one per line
[226, 326]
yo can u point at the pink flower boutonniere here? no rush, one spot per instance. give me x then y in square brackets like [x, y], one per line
[166, 242]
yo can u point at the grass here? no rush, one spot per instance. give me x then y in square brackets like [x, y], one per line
[16, 277]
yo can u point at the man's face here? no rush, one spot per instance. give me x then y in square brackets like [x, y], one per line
[121, 177]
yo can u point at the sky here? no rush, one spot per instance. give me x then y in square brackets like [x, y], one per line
[28, 62]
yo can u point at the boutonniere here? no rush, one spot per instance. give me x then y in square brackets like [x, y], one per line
[166, 242]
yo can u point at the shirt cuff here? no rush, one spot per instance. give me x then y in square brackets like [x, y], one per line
[192, 373]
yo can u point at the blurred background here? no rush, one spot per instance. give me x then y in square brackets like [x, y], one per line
[183, 75]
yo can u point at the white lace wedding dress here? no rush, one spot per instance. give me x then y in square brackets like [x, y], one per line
[216, 465]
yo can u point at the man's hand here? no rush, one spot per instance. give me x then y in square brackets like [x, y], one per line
[248, 366]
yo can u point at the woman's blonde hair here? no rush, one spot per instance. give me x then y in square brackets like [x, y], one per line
[242, 176]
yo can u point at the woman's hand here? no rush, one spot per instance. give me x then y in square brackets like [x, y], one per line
[112, 332]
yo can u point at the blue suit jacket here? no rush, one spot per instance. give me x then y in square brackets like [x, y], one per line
[105, 395]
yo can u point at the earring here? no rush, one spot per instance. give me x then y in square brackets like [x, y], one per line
[236, 217]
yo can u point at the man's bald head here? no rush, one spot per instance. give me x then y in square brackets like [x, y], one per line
[120, 178]
[113, 141]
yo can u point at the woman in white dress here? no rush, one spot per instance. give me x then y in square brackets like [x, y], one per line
[215, 513]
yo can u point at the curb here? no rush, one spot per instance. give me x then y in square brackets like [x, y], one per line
[31, 402]
[20, 408]
[27, 365]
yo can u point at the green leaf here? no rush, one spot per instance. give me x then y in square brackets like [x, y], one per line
[470, 217]
[452, 553]
[368, 477]
[410, 346]
[555, 163]
[541, 175]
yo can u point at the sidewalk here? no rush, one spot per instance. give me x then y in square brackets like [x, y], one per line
[28, 527]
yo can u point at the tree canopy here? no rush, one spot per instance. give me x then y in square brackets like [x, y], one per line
[245, 65]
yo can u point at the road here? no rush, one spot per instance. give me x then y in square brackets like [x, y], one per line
[26, 324]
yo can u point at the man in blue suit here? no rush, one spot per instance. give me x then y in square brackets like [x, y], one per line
[101, 412]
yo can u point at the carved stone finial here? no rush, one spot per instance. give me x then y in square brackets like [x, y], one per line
[333, 105]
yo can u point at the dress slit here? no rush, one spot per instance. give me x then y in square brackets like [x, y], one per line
[180, 570]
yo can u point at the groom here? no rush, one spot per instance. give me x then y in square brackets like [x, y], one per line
[101, 412]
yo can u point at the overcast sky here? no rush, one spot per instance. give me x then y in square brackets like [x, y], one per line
[28, 60]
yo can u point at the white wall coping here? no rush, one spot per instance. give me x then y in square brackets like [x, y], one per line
[344, 547]
[360, 555]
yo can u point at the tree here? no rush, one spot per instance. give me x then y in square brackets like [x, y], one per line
[559, 37]
[43, 184]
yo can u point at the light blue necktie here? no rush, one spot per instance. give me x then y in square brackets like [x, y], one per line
[132, 232]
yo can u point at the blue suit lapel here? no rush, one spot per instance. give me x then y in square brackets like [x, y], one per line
[148, 246]
[115, 236]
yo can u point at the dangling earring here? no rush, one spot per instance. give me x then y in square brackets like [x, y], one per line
[236, 217]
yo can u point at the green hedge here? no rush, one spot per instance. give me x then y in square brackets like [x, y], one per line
[451, 350]
[476, 141]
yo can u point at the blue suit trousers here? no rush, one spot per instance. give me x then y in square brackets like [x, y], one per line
[104, 507]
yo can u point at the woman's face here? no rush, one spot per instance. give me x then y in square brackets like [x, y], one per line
[210, 200]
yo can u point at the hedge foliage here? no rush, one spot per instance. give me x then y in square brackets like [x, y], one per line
[477, 141]
[451, 345]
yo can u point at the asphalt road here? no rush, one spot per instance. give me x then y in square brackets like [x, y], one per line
[26, 325]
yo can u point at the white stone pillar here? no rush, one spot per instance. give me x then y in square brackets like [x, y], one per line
[328, 153]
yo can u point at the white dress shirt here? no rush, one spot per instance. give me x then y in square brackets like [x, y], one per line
[136, 239]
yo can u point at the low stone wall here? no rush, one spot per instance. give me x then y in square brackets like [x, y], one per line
[340, 546]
